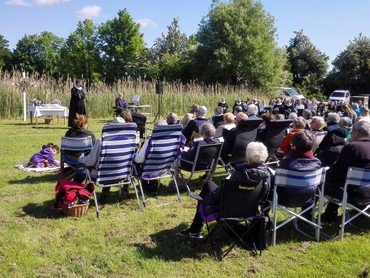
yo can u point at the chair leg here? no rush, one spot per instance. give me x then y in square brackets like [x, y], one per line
[177, 187]
[96, 205]
[137, 195]
[141, 192]
[344, 209]
[274, 211]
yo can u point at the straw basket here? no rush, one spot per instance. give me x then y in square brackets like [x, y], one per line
[76, 210]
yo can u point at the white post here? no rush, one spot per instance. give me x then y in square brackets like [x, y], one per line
[24, 92]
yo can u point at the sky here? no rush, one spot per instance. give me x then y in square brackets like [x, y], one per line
[330, 24]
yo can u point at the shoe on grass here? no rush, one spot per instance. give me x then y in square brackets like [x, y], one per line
[187, 233]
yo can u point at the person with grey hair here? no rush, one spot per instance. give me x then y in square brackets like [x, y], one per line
[252, 111]
[194, 125]
[252, 173]
[316, 126]
[172, 118]
[354, 154]
[332, 121]
[207, 132]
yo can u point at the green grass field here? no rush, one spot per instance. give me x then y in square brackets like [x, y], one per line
[37, 242]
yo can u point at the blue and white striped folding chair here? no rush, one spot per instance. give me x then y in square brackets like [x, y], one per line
[294, 185]
[115, 167]
[69, 151]
[356, 177]
[164, 147]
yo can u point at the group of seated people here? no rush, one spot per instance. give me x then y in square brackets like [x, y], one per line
[317, 137]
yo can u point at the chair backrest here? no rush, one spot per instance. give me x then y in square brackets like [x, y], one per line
[241, 200]
[247, 134]
[76, 144]
[206, 156]
[295, 188]
[72, 147]
[118, 147]
[163, 149]
[298, 179]
[275, 132]
[358, 176]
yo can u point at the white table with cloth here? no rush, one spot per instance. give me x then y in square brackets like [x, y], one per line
[47, 111]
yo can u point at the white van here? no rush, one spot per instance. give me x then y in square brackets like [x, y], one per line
[290, 92]
[340, 96]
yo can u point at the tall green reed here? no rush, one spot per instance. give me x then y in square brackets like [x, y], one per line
[177, 97]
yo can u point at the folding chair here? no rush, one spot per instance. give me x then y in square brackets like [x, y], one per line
[357, 179]
[273, 135]
[205, 161]
[163, 149]
[239, 214]
[115, 167]
[246, 134]
[69, 152]
[296, 188]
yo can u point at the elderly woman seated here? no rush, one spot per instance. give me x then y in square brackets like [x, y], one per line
[251, 174]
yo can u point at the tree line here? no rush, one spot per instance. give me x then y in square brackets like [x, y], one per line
[235, 45]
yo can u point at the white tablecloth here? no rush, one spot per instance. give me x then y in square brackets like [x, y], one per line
[48, 110]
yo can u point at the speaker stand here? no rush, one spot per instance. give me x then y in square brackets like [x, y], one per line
[158, 116]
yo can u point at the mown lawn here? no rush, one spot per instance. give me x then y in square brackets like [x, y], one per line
[36, 242]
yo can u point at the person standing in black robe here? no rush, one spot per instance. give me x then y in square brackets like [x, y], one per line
[77, 104]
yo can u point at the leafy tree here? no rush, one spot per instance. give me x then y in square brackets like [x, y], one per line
[5, 53]
[39, 53]
[307, 64]
[80, 54]
[121, 44]
[169, 53]
[352, 67]
[236, 45]
[173, 42]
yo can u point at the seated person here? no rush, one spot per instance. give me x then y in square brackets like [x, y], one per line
[120, 104]
[252, 112]
[172, 119]
[79, 130]
[316, 130]
[194, 125]
[218, 117]
[207, 131]
[91, 160]
[224, 105]
[299, 124]
[231, 136]
[140, 155]
[354, 154]
[140, 120]
[229, 123]
[189, 116]
[299, 158]
[251, 174]
[330, 154]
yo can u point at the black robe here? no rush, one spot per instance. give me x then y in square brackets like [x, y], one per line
[77, 105]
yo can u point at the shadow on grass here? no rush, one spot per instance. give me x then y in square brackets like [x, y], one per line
[166, 245]
[43, 210]
[40, 126]
[42, 178]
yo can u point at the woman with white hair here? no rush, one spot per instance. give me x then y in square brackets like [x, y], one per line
[251, 174]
